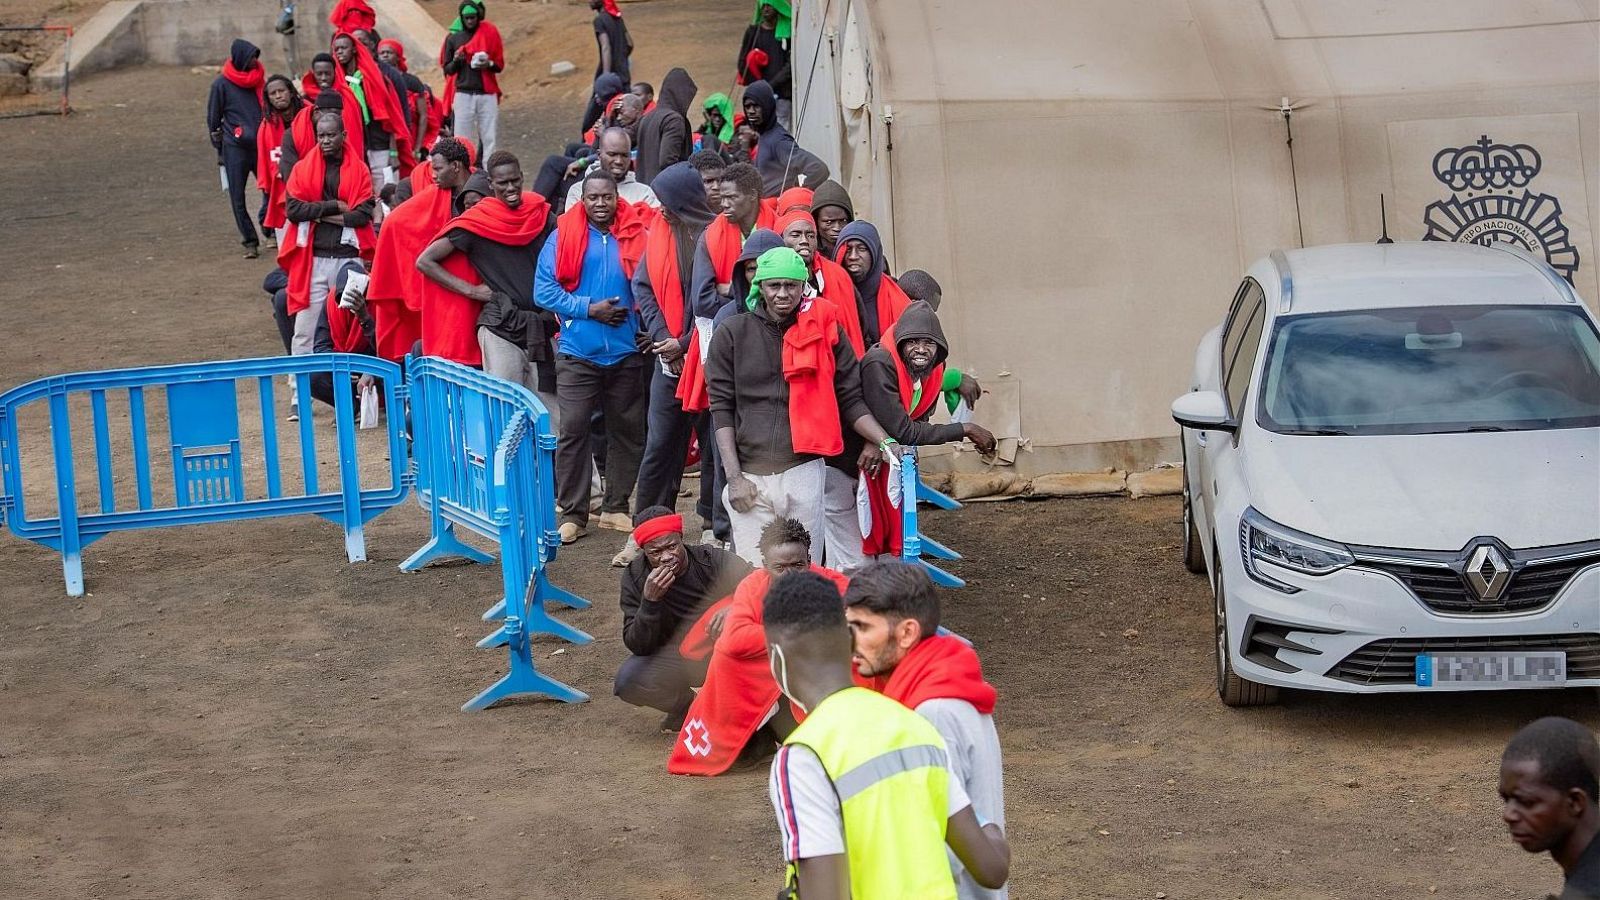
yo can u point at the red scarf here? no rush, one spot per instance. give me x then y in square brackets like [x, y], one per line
[666, 279]
[383, 104]
[449, 320]
[395, 293]
[808, 367]
[572, 240]
[350, 15]
[306, 183]
[892, 302]
[838, 290]
[767, 214]
[305, 132]
[486, 39]
[269, 151]
[942, 667]
[724, 242]
[612, 8]
[252, 79]
[888, 531]
[739, 689]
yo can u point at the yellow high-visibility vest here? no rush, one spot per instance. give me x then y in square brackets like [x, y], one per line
[888, 765]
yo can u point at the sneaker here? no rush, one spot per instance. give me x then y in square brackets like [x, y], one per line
[252, 251]
[708, 537]
[294, 412]
[615, 521]
[271, 242]
[626, 555]
[571, 531]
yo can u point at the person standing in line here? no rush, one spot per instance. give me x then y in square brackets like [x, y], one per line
[612, 40]
[473, 56]
[283, 104]
[665, 136]
[764, 53]
[863, 792]
[384, 129]
[234, 110]
[1549, 785]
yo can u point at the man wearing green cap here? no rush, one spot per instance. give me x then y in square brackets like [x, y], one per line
[764, 53]
[472, 58]
[782, 377]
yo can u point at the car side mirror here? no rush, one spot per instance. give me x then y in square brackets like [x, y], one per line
[1203, 410]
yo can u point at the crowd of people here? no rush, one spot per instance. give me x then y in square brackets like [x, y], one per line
[682, 294]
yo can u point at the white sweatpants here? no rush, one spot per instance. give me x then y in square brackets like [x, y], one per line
[842, 540]
[792, 494]
[477, 119]
[324, 275]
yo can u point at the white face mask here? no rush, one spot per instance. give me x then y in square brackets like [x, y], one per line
[780, 673]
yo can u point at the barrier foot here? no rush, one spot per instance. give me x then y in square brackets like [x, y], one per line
[523, 680]
[941, 577]
[549, 593]
[933, 548]
[497, 611]
[496, 638]
[355, 544]
[72, 570]
[927, 494]
[440, 546]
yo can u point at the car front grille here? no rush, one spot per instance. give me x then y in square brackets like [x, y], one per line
[1443, 590]
[1394, 661]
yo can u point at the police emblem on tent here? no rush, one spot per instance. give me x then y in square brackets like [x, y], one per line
[1492, 202]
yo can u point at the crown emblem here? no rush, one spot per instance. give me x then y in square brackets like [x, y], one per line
[1486, 165]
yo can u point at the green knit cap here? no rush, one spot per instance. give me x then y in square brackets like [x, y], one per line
[779, 262]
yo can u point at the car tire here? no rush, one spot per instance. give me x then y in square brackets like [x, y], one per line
[1233, 690]
[1194, 558]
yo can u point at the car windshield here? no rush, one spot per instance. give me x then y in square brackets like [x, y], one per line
[1432, 370]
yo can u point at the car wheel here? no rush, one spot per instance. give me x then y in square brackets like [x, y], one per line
[1233, 690]
[1194, 559]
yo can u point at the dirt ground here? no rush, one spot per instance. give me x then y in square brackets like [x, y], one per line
[236, 711]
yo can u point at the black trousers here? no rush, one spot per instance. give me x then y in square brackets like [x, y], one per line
[239, 162]
[665, 446]
[619, 393]
[663, 681]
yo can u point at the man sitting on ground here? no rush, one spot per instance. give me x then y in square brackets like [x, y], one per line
[665, 590]
[739, 696]
[1550, 783]
[893, 610]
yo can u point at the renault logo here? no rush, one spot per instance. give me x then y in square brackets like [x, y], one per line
[1487, 572]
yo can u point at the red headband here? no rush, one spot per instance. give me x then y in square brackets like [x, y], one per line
[654, 528]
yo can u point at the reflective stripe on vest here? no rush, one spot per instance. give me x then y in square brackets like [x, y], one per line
[888, 765]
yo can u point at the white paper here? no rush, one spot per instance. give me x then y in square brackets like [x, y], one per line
[962, 414]
[390, 176]
[222, 174]
[863, 506]
[369, 406]
[895, 493]
[355, 286]
[702, 333]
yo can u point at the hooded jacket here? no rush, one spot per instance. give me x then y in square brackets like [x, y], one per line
[780, 160]
[665, 136]
[832, 193]
[886, 396]
[878, 296]
[236, 109]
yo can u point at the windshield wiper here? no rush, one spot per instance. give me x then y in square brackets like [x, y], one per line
[1315, 431]
[1487, 428]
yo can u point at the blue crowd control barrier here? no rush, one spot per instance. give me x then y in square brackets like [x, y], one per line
[914, 544]
[484, 461]
[208, 450]
[940, 499]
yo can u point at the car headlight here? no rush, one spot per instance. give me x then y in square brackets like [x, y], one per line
[1263, 540]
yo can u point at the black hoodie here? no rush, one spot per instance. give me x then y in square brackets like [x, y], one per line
[880, 381]
[235, 111]
[665, 136]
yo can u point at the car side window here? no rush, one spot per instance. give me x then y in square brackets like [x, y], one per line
[1238, 365]
[1232, 331]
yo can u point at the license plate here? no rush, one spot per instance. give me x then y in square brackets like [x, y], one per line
[1545, 669]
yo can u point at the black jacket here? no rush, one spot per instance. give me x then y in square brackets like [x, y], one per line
[665, 136]
[776, 71]
[234, 113]
[880, 381]
[709, 575]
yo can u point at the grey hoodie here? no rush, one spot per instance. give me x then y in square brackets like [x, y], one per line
[880, 381]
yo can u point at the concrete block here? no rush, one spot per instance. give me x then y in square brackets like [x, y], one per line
[1079, 484]
[1156, 483]
[12, 84]
[110, 38]
[988, 484]
[564, 67]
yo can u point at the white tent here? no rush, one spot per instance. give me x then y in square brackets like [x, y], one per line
[1089, 178]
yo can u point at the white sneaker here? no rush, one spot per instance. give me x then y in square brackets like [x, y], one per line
[627, 554]
[570, 532]
[294, 412]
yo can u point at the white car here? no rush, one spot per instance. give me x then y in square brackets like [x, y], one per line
[1392, 467]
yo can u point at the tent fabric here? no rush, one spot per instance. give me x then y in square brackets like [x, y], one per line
[1149, 136]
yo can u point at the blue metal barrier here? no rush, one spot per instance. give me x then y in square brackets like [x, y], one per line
[207, 448]
[940, 499]
[484, 461]
[914, 544]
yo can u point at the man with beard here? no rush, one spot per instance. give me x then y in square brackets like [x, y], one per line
[615, 158]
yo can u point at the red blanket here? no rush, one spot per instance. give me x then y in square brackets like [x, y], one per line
[383, 103]
[724, 242]
[808, 367]
[306, 183]
[942, 667]
[269, 150]
[739, 690]
[349, 15]
[838, 290]
[485, 39]
[572, 239]
[395, 293]
[449, 320]
[666, 278]
[305, 134]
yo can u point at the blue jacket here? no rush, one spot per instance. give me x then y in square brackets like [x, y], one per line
[602, 276]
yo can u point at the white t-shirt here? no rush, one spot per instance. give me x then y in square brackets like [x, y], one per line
[809, 821]
[629, 188]
[973, 746]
